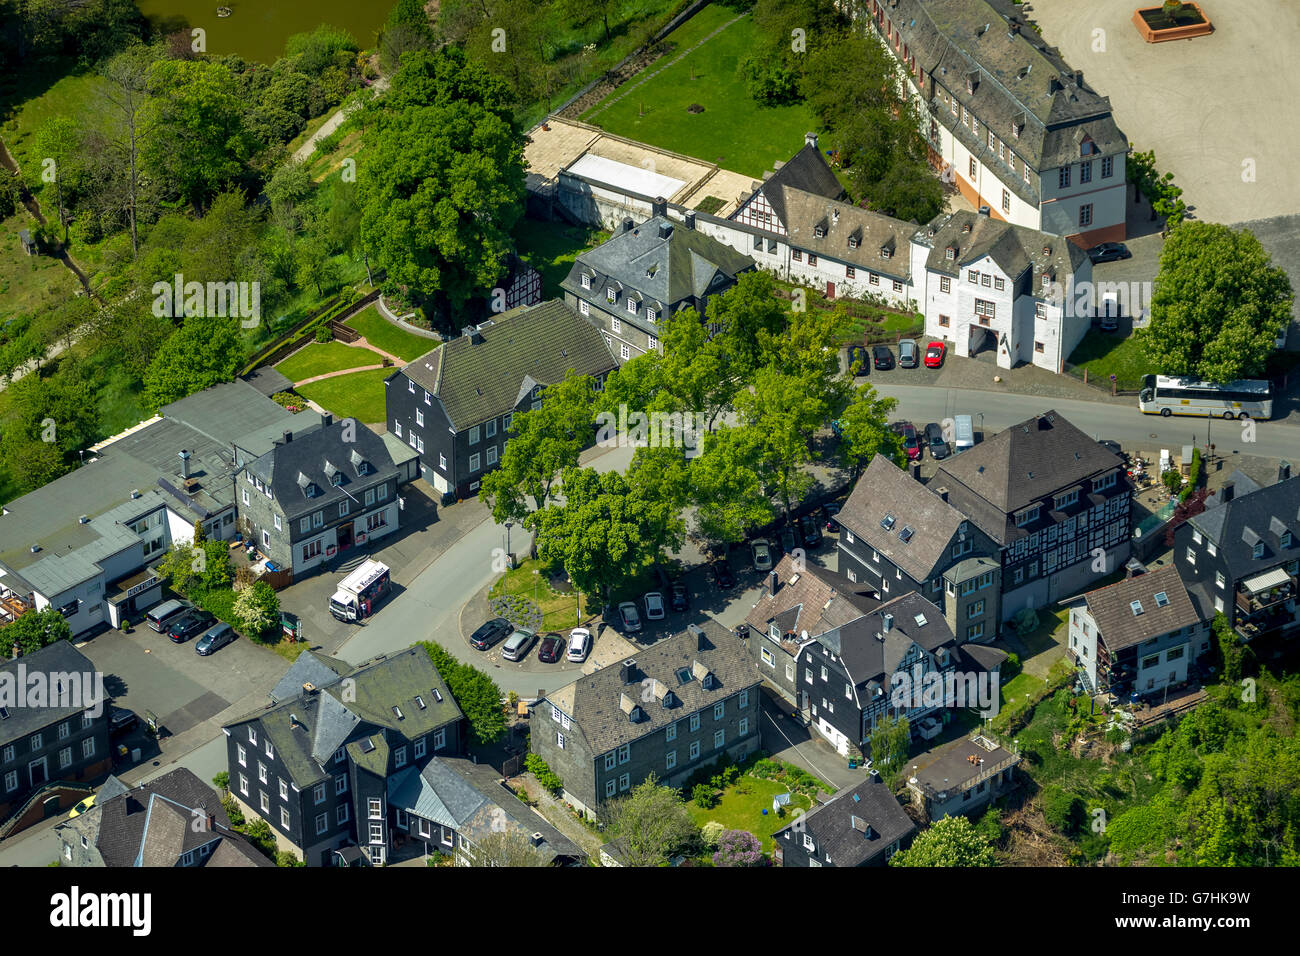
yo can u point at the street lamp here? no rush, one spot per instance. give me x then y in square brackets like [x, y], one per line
[509, 525]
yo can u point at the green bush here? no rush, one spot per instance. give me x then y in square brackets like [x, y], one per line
[547, 777]
[705, 796]
[1193, 476]
[324, 334]
[1062, 810]
[235, 814]
[711, 832]
[1011, 666]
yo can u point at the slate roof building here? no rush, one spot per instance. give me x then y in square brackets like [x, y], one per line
[1055, 503]
[961, 777]
[83, 543]
[317, 766]
[454, 405]
[452, 804]
[61, 736]
[641, 274]
[1138, 634]
[861, 826]
[1007, 119]
[682, 703]
[317, 494]
[173, 820]
[1241, 555]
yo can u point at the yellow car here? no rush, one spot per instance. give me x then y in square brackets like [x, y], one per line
[82, 807]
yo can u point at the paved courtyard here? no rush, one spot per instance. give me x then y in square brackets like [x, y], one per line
[1206, 106]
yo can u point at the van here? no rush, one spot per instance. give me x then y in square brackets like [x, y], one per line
[963, 433]
[159, 616]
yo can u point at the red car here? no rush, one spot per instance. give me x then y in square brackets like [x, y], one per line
[911, 444]
[934, 353]
[548, 652]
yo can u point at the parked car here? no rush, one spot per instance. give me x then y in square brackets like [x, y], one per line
[788, 539]
[1110, 311]
[518, 645]
[159, 617]
[679, 599]
[810, 531]
[882, 357]
[1109, 252]
[935, 441]
[654, 606]
[911, 444]
[214, 639]
[722, 575]
[552, 646]
[489, 633]
[579, 645]
[829, 511]
[629, 617]
[121, 720]
[859, 361]
[908, 355]
[934, 353]
[761, 551]
[963, 433]
[181, 629]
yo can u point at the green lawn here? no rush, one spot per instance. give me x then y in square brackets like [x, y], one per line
[733, 131]
[559, 611]
[552, 247]
[359, 395]
[321, 357]
[738, 810]
[1105, 354]
[393, 339]
[28, 283]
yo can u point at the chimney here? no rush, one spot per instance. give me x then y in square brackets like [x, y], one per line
[212, 821]
[327, 419]
[887, 623]
[665, 230]
[1283, 470]
[942, 493]
[628, 225]
[185, 463]
[1225, 493]
[537, 839]
[288, 436]
[1015, 27]
[916, 470]
[690, 219]
[810, 139]
[773, 582]
[627, 672]
[701, 642]
[1078, 78]
[659, 207]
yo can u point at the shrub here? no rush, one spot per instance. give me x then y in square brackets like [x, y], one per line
[235, 814]
[765, 768]
[705, 796]
[222, 780]
[711, 833]
[547, 777]
[324, 334]
[1062, 810]
[1011, 666]
[287, 858]
[738, 848]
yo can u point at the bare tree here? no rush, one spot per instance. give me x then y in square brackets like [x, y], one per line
[651, 823]
[125, 93]
[502, 848]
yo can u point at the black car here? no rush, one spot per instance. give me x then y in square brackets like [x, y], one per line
[859, 363]
[810, 530]
[1109, 252]
[489, 633]
[787, 540]
[189, 624]
[883, 357]
[722, 575]
[829, 511]
[679, 599]
[121, 720]
[552, 646]
[934, 440]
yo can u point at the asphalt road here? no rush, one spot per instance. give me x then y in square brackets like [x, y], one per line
[994, 411]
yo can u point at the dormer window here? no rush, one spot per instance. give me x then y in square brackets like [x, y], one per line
[611, 294]
[951, 252]
[853, 242]
[586, 281]
[631, 306]
[1258, 550]
[886, 252]
[819, 231]
[1286, 539]
[651, 315]
[1028, 516]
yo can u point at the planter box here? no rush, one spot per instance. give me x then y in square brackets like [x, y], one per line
[1160, 35]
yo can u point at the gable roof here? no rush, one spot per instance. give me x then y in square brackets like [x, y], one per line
[597, 702]
[1019, 466]
[870, 653]
[857, 825]
[812, 600]
[1264, 513]
[1113, 608]
[478, 380]
[311, 667]
[58, 658]
[886, 491]
[1015, 249]
[849, 233]
[666, 263]
[807, 172]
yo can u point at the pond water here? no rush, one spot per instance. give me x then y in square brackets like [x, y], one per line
[257, 30]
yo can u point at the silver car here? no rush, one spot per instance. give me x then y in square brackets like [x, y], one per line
[517, 645]
[761, 549]
[908, 354]
[214, 638]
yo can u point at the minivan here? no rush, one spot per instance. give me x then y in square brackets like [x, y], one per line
[215, 638]
[159, 616]
[963, 433]
[516, 649]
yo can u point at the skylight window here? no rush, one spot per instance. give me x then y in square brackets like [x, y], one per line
[920, 620]
[906, 534]
[1162, 599]
[1137, 607]
[887, 522]
[397, 712]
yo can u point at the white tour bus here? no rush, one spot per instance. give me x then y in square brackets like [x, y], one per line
[1247, 398]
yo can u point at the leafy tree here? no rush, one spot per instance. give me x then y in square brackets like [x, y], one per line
[258, 608]
[506, 848]
[952, 841]
[890, 741]
[203, 352]
[126, 92]
[34, 630]
[543, 442]
[442, 180]
[59, 140]
[738, 848]
[200, 532]
[179, 568]
[652, 822]
[407, 30]
[287, 858]
[1062, 810]
[1231, 651]
[727, 486]
[749, 320]
[1219, 304]
[477, 695]
[865, 432]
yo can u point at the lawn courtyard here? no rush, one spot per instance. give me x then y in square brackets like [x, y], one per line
[359, 395]
[321, 358]
[391, 338]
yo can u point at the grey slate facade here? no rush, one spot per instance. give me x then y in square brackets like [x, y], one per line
[686, 702]
[861, 826]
